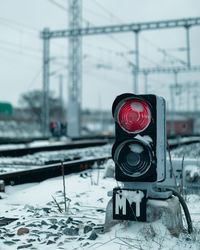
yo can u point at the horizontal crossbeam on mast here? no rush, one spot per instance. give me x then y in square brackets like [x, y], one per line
[169, 69]
[133, 27]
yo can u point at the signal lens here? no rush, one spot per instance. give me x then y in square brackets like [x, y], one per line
[134, 116]
[134, 158]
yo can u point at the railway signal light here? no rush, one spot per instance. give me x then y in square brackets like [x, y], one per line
[139, 151]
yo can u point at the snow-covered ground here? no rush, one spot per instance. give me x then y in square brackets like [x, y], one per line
[19, 129]
[11, 164]
[80, 227]
[39, 143]
[188, 151]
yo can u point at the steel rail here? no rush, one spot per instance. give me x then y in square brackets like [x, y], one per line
[46, 172]
[174, 145]
[73, 145]
[10, 140]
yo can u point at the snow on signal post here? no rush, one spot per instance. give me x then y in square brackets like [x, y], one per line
[139, 152]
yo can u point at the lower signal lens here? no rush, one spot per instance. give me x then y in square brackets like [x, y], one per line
[134, 115]
[134, 158]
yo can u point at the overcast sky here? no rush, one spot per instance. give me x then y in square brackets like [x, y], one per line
[21, 48]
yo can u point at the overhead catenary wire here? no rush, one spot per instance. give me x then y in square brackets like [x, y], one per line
[29, 27]
[107, 11]
[109, 35]
[33, 80]
[21, 53]
[60, 6]
[142, 37]
[164, 51]
[88, 22]
[125, 46]
[23, 29]
[7, 43]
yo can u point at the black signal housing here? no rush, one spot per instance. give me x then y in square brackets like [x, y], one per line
[136, 153]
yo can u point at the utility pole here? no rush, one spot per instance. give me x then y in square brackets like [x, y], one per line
[176, 82]
[75, 70]
[188, 96]
[187, 27]
[61, 95]
[45, 97]
[195, 97]
[145, 82]
[136, 70]
[172, 110]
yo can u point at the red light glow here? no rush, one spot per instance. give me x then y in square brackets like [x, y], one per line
[134, 116]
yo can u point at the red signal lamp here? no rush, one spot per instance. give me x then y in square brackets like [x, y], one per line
[133, 115]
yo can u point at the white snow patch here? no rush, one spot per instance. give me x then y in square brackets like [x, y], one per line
[146, 139]
[136, 148]
[192, 172]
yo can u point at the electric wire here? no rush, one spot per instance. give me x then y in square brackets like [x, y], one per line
[21, 53]
[163, 51]
[107, 11]
[36, 76]
[23, 29]
[109, 35]
[8, 43]
[28, 27]
[65, 9]
[125, 46]
[88, 22]
[58, 5]
[145, 39]
[31, 29]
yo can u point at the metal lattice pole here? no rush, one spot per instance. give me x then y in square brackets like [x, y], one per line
[136, 70]
[45, 97]
[146, 83]
[187, 27]
[61, 96]
[75, 70]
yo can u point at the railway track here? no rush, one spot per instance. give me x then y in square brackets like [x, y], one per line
[16, 152]
[174, 143]
[10, 140]
[86, 141]
[25, 170]
[42, 173]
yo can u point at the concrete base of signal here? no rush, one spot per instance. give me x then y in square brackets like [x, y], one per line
[168, 211]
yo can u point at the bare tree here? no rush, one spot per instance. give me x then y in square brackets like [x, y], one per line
[32, 102]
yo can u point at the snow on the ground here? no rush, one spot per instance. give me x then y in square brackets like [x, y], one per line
[188, 151]
[81, 226]
[10, 164]
[19, 129]
[37, 143]
[192, 172]
[183, 139]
